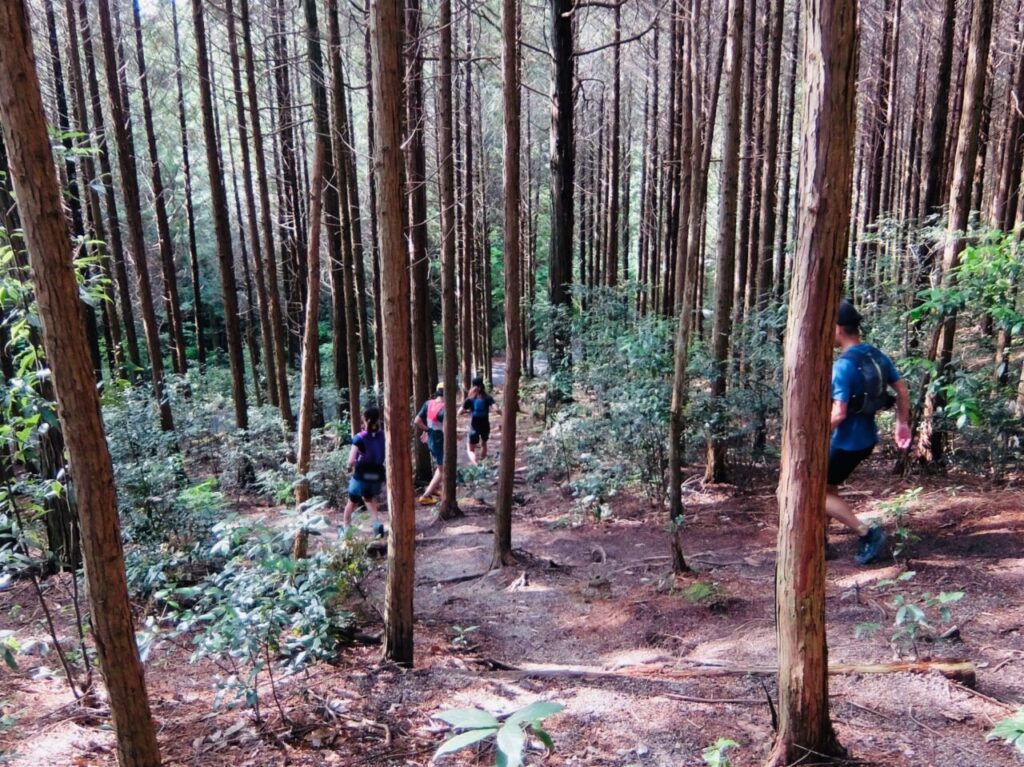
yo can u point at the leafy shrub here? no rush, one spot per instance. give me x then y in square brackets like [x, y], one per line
[265, 610]
[1010, 730]
[510, 735]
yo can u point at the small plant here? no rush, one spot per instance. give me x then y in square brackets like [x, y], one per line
[510, 733]
[896, 512]
[461, 638]
[715, 756]
[1010, 730]
[700, 591]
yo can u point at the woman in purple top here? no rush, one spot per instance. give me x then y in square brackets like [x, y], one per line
[366, 460]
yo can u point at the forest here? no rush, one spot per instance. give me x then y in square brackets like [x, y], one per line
[720, 299]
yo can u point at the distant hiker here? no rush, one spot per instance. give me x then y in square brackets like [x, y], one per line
[479, 406]
[861, 378]
[430, 420]
[367, 462]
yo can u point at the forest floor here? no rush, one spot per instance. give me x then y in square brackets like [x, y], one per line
[634, 653]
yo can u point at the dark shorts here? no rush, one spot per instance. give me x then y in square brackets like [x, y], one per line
[435, 441]
[363, 490]
[479, 430]
[841, 463]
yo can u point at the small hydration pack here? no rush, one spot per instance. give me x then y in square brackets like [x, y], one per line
[370, 463]
[435, 412]
[872, 392]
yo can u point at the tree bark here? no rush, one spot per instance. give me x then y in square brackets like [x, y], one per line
[277, 330]
[932, 445]
[133, 214]
[34, 177]
[823, 224]
[513, 282]
[449, 504]
[563, 164]
[221, 222]
[722, 332]
[310, 342]
[172, 304]
[198, 317]
[386, 37]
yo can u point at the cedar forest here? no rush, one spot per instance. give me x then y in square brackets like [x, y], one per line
[240, 241]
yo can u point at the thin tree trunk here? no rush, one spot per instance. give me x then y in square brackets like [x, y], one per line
[513, 281]
[563, 165]
[262, 299]
[769, 185]
[933, 439]
[386, 36]
[133, 214]
[722, 332]
[199, 319]
[446, 166]
[416, 178]
[277, 330]
[826, 175]
[221, 221]
[470, 361]
[611, 269]
[34, 177]
[310, 342]
[172, 304]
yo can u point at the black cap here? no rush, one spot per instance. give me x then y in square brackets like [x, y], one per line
[848, 316]
[478, 381]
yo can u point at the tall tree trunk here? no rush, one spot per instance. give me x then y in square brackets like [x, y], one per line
[277, 330]
[449, 504]
[133, 214]
[823, 224]
[513, 281]
[1006, 196]
[310, 342]
[198, 317]
[416, 178]
[221, 221]
[469, 283]
[933, 439]
[563, 164]
[371, 138]
[386, 36]
[262, 299]
[766, 238]
[747, 149]
[332, 210]
[340, 122]
[722, 332]
[97, 232]
[172, 304]
[34, 177]
[611, 268]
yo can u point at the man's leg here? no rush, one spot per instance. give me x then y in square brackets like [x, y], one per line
[435, 482]
[840, 510]
[483, 448]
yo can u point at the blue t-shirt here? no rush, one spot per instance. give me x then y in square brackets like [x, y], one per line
[857, 431]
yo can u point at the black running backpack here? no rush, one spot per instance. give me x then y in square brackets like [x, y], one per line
[871, 393]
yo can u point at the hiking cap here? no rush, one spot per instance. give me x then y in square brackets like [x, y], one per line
[478, 381]
[848, 316]
[439, 389]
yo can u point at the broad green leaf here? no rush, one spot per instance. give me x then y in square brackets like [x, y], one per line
[950, 596]
[536, 711]
[511, 741]
[464, 739]
[468, 718]
[542, 736]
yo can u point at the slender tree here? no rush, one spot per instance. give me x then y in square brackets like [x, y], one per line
[221, 221]
[513, 280]
[386, 47]
[49, 249]
[823, 225]
[563, 160]
[722, 332]
[172, 305]
[133, 213]
[449, 504]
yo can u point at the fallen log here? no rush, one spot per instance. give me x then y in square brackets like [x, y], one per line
[962, 671]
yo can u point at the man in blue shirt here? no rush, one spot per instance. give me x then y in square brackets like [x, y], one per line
[854, 433]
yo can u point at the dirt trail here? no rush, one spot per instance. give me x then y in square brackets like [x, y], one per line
[598, 595]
